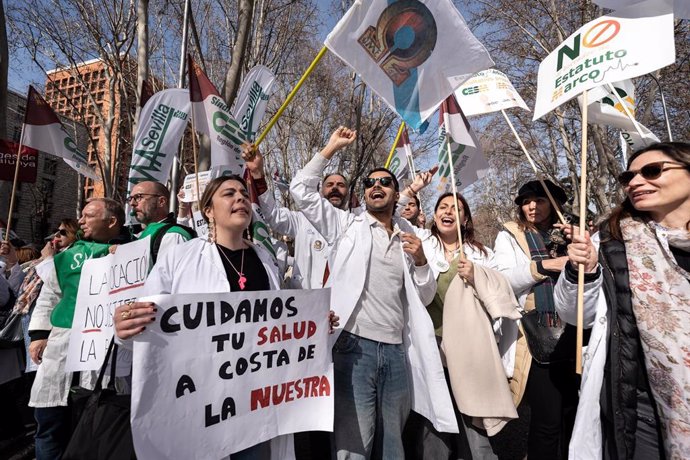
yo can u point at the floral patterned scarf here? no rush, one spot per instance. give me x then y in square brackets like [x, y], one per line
[661, 304]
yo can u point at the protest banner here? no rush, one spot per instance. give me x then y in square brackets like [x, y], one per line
[105, 284]
[211, 116]
[488, 91]
[608, 49]
[217, 373]
[252, 99]
[406, 51]
[28, 164]
[162, 123]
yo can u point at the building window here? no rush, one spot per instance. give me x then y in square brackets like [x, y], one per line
[49, 167]
[16, 133]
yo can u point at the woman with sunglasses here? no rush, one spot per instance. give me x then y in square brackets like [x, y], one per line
[636, 370]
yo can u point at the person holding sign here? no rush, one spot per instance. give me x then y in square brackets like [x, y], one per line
[532, 254]
[226, 262]
[101, 224]
[380, 281]
[636, 369]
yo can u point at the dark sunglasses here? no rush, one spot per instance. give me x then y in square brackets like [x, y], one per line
[650, 171]
[61, 232]
[385, 181]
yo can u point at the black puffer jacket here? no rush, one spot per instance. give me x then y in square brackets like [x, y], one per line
[624, 373]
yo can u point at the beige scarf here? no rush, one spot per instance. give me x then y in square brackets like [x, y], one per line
[661, 303]
[477, 377]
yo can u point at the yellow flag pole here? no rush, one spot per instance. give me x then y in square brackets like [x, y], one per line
[583, 222]
[534, 168]
[14, 185]
[292, 94]
[395, 142]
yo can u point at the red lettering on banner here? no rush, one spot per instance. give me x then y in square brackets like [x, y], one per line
[308, 387]
[298, 330]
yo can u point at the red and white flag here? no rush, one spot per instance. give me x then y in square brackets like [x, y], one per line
[212, 116]
[469, 162]
[402, 158]
[43, 131]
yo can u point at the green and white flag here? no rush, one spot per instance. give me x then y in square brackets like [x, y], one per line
[252, 99]
[162, 122]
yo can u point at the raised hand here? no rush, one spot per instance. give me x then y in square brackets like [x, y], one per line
[253, 160]
[341, 137]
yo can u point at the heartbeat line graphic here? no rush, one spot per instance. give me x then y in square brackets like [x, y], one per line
[619, 66]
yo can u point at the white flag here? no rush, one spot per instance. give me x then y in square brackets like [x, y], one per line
[604, 109]
[681, 8]
[252, 99]
[162, 122]
[412, 53]
[625, 44]
[488, 91]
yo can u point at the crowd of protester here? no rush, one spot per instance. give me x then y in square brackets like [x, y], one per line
[438, 345]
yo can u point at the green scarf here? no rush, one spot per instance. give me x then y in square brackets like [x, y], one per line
[68, 264]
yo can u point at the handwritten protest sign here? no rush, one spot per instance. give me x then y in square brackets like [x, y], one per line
[105, 284]
[217, 373]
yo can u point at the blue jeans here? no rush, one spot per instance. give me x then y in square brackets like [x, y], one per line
[372, 398]
[52, 431]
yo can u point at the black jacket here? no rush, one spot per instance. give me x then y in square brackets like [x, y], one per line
[624, 373]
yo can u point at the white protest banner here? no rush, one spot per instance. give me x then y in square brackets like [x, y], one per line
[627, 43]
[105, 284]
[407, 52]
[161, 125]
[189, 186]
[400, 163]
[605, 109]
[252, 98]
[681, 8]
[488, 91]
[218, 373]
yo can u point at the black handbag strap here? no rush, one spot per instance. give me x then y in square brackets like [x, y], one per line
[111, 384]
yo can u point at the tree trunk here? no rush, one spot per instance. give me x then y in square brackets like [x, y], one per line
[244, 26]
[142, 55]
[3, 72]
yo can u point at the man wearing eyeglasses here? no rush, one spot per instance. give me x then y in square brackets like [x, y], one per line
[101, 224]
[149, 201]
[386, 360]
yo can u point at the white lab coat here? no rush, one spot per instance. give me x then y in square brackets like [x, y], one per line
[586, 441]
[311, 249]
[195, 266]
[352, 239]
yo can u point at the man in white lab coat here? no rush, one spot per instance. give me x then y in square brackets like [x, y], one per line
[386, 360]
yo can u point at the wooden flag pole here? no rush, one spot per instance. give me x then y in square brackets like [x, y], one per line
[581, 231]
[14, 184]
[395, 142]
[626, 110]
[292, 94]
[554, 205]
[454, 187]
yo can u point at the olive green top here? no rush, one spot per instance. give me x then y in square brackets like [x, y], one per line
[435, 308]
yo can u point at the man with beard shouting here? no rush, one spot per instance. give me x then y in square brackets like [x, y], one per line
[311, 249]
